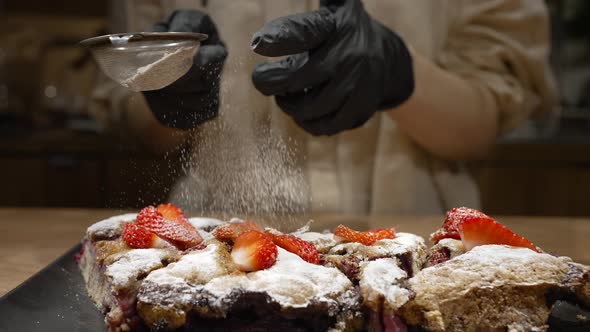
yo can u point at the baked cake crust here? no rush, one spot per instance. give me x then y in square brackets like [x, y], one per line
[491, 287]
[168, 296]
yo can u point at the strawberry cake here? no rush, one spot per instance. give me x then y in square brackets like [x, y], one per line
[159, 270]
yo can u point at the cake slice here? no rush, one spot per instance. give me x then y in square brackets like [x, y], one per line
[481, 276]
[495, 288]
[323, 242]
[292, 295]
[113, 271]
[117, 255]
[379, 262]
[248, 278]
[408, 250]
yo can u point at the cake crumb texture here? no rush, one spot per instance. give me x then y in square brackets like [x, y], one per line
[490, 287]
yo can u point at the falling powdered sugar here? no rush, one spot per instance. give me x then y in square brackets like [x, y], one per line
[245, 172]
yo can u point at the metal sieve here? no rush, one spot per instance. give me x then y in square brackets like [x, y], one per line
[144, 61]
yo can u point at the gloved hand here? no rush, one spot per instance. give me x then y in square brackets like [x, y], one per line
[193, 98]
[342, 66]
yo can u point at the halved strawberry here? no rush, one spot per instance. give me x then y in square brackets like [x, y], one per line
[479, 231]
[454, 217]
[181, 233]
[171, 212]
[148, 215]
[140, 238]
[366, 238]
[253, 251]
[299, 247]
[230, 231]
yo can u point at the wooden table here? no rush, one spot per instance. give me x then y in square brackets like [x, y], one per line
[32, 238]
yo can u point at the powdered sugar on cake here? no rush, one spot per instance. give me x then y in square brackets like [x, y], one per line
[490, 287]
[291, 282]
[322, 241]
[489, 266]
[206, 224]
[402, 244]
[195, 268]
[383, 279]
[109, 227]
[128, 266]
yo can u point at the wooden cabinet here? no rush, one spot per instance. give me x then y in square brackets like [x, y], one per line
[73, 170]
[138, 182]
[69, 169]
[535, 179]
[53, 181]
[75, 181]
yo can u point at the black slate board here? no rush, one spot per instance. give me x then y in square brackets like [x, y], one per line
[54, 299]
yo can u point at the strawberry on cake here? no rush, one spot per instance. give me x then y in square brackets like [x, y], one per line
[119, 252]
[159, 270]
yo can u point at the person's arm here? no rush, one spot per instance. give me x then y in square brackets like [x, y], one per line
[448, 115]
[342, 67]
[492, 74]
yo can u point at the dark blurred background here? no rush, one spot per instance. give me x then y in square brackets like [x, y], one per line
[53, 152]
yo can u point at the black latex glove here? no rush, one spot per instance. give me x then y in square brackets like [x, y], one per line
[342, 66]
[193, 98]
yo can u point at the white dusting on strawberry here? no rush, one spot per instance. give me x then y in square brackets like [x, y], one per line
[253, 251]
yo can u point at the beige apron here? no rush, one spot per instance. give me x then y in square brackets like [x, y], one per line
[376, 169]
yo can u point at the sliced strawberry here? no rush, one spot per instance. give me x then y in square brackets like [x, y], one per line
[148, 215]
[171, 212]
[366, 238]
[455, 216]
[293, 244]
[480, 231]
[137, 237]
[230, 231]
[382, 233]
[181, 233]
[253, 251]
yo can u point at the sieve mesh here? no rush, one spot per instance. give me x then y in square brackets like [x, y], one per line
[145, 61]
